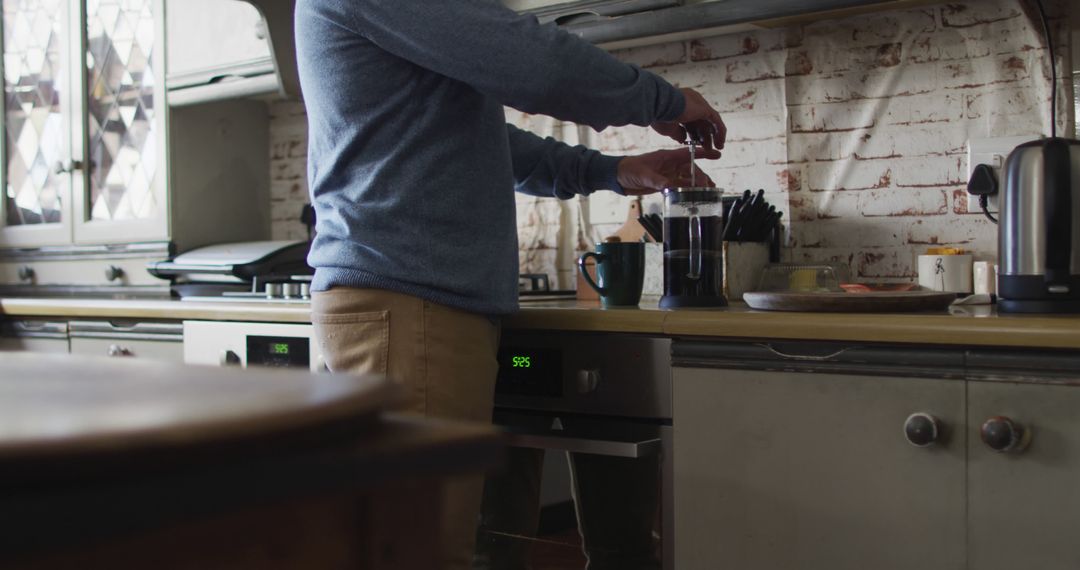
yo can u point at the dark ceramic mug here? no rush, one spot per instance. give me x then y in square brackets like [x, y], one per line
[620, 268]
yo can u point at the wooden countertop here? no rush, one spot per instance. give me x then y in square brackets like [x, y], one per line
[969, 326]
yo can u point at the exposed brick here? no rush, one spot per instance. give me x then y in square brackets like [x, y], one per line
[895, 203]
[931, 172]
[729, 46]
[848, 175]
[835, 117]
[654, 56]
[978, 13]
[749, 70]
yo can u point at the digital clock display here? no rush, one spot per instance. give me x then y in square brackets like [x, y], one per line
[281, 351]
[530, 372]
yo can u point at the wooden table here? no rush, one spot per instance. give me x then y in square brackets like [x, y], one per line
[107, 464]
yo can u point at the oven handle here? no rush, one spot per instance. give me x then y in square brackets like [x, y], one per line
[606, 447]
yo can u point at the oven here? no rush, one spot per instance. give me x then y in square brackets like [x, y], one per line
[601, 394]
[220, 343]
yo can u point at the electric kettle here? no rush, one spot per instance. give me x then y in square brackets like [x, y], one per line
[1039, 237]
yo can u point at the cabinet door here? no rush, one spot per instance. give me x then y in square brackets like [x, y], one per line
[36, 146]
[33, 344]
[1024, 508]
[122, 198]
[813, 471]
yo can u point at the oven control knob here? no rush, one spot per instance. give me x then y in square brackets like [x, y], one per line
[305, 291]
[273, 290]
[588, 380]
[922, 430]
[290, 290]
[1004, 435]
[229, 358]
[112, 273]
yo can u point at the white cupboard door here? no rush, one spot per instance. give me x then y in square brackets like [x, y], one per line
[38, 166]
[813, 471]
[1024, 507]
[125, 115]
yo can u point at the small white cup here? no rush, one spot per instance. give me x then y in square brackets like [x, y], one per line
[946, 272]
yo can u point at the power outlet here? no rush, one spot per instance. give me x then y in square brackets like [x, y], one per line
[992, 151]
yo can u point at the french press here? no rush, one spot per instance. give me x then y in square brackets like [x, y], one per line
[693, 248]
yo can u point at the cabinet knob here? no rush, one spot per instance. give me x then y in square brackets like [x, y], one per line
[68, 167]
[26, 273]
[112, 273]
[115, 350]
[922, 429]
[1004, 435]
[229, 358]
[588, 381]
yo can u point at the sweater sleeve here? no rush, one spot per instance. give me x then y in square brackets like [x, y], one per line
[517, 61]
[550, 168]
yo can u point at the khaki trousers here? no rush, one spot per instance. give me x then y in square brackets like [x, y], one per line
[445, 358]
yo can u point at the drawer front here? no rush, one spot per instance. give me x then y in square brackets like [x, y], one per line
[166, 350]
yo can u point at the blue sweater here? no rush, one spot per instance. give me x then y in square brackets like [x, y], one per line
[410, 160]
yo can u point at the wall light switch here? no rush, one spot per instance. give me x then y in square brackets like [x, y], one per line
[992, 151]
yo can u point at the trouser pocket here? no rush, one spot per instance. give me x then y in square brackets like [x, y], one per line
[358, 343]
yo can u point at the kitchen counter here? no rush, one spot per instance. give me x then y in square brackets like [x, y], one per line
[975, 326]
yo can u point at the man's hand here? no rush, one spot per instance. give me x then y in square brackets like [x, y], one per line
[651, 172]
[703, 122]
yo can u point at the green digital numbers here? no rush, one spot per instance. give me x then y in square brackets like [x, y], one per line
[522, 362]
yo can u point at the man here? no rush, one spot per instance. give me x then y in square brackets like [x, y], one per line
[412, 167]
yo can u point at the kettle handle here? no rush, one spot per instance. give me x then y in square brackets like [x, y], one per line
[1057, 164]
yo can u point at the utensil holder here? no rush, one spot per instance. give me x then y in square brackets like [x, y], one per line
[743, 263]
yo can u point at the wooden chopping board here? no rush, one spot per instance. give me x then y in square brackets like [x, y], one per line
[843, 302]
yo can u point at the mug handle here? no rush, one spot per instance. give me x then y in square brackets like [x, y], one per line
[585, 273]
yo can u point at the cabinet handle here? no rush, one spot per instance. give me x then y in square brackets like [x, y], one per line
[26, 273]
[68, 167]
[588, 381]
[922, 429]
[1004, 435]
[113, 272]
[118, 351]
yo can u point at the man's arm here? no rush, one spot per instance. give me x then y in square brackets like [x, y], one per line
[532, 67]
[549, 168]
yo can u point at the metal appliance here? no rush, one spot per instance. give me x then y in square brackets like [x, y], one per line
[599, 394]
[1039, 238]
[244, 271]
[693, 248]
[220, 343]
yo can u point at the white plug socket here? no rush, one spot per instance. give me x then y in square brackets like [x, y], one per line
[992, 151]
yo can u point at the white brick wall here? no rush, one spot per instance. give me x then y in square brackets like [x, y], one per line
[856, 129]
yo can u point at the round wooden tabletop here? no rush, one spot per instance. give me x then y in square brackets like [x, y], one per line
[57, 406]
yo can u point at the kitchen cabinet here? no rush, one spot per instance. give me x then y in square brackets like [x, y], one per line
[812, 471]
[217, 49]
[799, 457]
[161, 341]
[1024, 507]
[93, 158]
[33, 335]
